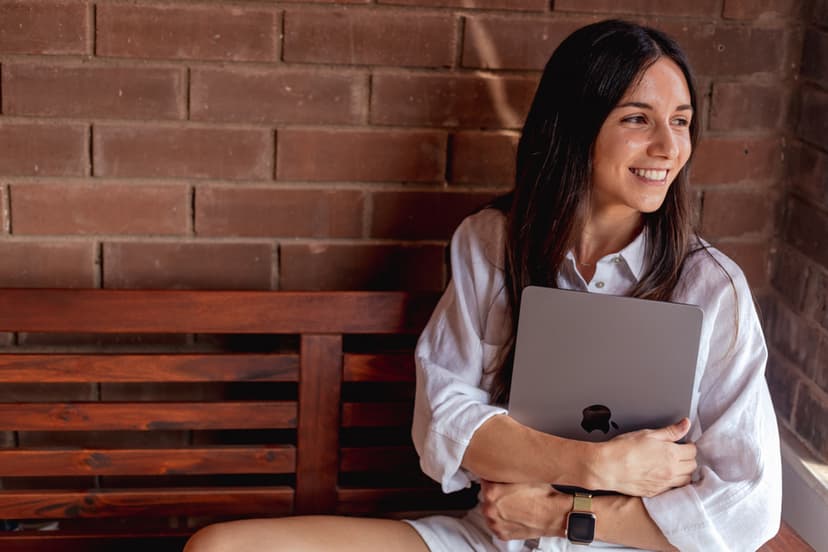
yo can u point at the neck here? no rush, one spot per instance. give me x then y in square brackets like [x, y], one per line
[604, 233]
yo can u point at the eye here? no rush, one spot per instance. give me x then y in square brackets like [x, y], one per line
[681, 121]
[635, 119]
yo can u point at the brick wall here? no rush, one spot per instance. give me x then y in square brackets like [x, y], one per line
[797, 321]
[321, 144]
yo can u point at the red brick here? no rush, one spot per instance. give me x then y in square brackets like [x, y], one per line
[790, 276]
[43, 149]
[187, 265]
[747, 106]
[727, 50]
[813, 117]
[422, 215]
[361, 266]
[783, 381]
[44, 264]
[199, 32]
[337, 1]
[752, 258]
[815, 299]
[734, 213]
[512, 5]
[83, 91]
[4, 211]
[650, 7]
[753, 9]
[43, 27]
[807, 170]
[99, 209]
[508, 43]
[362, 155]
[271, 212]
[451, 100]
[810, 415]
[815, 56]
[720, 160]
[274, 96]
[369, 38]
[807, 230]
[192, 152]
[818, 373]
[486, 158]
[791, 335]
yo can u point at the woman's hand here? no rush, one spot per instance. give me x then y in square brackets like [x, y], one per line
[523, 510]
[646, 462]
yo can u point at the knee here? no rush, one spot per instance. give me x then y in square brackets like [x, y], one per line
[213, 538]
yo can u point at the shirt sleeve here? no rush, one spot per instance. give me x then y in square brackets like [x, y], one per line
[735, 501]
[451, 402]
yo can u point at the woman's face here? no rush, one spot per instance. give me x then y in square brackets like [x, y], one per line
[643, 144]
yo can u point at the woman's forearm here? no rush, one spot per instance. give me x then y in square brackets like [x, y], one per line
[506, 451]
[624, 520]
[640, 463]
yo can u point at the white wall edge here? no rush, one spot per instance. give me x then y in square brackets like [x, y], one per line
[804, 491]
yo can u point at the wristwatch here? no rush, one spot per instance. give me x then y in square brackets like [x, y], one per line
[580, 522]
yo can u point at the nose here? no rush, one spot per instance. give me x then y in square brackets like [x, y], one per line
[664, 143]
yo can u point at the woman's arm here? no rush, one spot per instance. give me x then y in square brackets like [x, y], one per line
[640, 463]
[525, 511]
[456, 430]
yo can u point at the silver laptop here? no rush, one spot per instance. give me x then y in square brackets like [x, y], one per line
[590, 366]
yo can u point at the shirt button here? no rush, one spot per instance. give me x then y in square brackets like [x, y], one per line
[616, 260]
[599, 285]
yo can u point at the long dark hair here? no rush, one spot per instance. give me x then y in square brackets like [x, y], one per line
[586, 77]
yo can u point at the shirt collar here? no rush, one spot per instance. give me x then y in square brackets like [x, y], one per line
[632, 255]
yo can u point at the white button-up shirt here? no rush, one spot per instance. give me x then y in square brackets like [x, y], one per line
[734, 502]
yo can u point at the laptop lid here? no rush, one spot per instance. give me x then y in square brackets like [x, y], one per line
[591, 366]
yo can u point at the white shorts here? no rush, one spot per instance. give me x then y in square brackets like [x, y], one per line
[469, 533]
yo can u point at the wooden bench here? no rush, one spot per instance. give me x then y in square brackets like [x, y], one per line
[206, 405]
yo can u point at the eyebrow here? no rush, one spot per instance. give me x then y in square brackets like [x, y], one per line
[641, 105]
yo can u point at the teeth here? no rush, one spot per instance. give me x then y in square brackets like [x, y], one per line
[651, 174]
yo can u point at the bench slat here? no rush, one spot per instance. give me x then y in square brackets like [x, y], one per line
[174, 311]
[364, 501]
[207, 460]
[383, 459]
[156, 502]
[24, 368]
[64, 541]
[142, 416]
[367, 414]
[396, 367]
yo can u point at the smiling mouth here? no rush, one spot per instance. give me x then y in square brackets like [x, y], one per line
[653, 175]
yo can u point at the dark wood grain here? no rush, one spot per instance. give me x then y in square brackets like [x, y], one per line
[397, 367]
[63, 541]
[147, 416]
[391, 414]
[787, 540]
[368, 500]
[173, 311]
[209, 460]
[145, 502]
[378, 459]
[318, 433]
[23, 368]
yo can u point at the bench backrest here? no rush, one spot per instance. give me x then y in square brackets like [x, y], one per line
[312, 419]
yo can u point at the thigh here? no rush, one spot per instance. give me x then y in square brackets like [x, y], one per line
[308, 533]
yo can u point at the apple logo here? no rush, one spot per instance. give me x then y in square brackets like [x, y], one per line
[597, 416]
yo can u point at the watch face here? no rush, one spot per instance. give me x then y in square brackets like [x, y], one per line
[580, 527]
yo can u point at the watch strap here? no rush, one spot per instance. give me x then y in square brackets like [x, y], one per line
[582, 502]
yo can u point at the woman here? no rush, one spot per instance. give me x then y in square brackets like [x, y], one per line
[600, 205]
